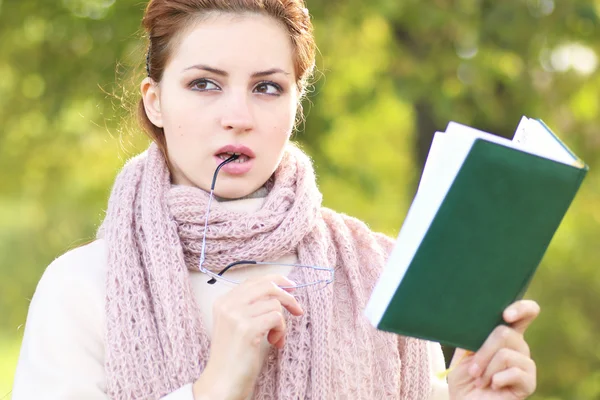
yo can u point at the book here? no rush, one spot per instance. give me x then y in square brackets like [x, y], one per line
[484, 213]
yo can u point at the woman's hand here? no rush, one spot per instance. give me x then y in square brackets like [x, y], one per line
[242, 318]
[502, 368]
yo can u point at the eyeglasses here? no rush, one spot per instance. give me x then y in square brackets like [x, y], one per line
[316, 284]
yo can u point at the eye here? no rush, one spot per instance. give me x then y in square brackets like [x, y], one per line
[270, 88]
[203, 85]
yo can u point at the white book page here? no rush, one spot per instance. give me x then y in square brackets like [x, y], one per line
[443, 163]
[434, 161]
[454, 128]
[533, 137]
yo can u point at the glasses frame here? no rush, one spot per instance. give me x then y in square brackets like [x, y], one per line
[219, 276]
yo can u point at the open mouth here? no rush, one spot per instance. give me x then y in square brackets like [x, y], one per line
[241, 165]
[242, 158]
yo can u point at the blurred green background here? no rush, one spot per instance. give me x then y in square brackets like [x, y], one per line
[391, 73]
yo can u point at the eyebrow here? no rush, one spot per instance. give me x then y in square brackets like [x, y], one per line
[217, 71]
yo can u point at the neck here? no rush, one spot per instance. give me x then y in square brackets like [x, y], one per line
[260, 192]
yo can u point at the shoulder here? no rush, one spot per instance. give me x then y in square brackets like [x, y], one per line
[92, 254]
[83, 265]
[74, 280]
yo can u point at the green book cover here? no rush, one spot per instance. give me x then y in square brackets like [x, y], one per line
[481, 248]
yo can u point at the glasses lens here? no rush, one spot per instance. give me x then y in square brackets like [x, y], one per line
[307, 278]
[311, 287]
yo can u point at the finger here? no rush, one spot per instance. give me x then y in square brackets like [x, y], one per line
[505, 359]
[503, 336]
[461, 356]
[275, 327]
[269, 290]
[522, 383]
[521, 314]
[263, 307]
[266, 288]
[280, 343]
[271, 324]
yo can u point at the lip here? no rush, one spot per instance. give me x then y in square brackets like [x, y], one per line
[234, 168]
[234, 148]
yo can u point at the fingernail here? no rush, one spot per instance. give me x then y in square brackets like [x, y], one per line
[474, 370]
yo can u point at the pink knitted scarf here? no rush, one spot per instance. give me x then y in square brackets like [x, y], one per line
[156, 341]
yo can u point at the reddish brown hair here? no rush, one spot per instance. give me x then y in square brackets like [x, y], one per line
[165, 20]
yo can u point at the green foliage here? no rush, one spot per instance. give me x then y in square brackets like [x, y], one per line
[9, 349]
[394, 72]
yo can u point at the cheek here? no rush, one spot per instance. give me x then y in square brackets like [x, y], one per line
[180, 120]
[177, 109]
[174, 133]
[286, 122]
[281, 132]
[276, 123]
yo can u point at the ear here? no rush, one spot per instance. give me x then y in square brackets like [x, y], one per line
[151, 98]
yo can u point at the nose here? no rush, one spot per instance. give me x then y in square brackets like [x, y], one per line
[238, 115]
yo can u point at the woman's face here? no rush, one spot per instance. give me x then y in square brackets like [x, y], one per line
[229, 87]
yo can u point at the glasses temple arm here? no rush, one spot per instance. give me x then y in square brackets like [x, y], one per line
[212, 189]
[233, 264]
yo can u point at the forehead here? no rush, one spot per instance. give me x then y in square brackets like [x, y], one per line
[247, 42]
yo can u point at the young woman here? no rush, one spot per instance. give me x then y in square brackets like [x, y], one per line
[146, 311]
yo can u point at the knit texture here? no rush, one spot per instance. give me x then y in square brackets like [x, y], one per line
[155, 338]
